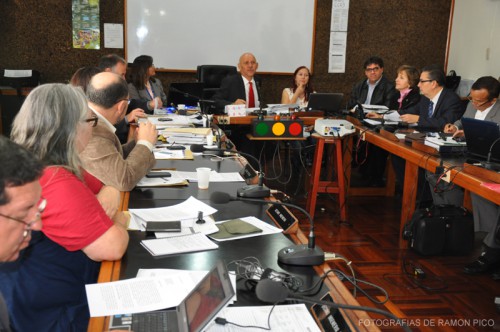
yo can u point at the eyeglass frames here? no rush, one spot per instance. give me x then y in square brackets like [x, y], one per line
[27, 231]
[476, 102]
[92, 121]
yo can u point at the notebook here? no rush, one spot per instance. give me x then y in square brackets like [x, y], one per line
[192, 315]
[330, 103]
[479, 137]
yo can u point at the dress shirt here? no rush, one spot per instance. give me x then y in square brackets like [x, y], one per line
[255, 91]
[371, 87]
[434, 102]
[482, 115]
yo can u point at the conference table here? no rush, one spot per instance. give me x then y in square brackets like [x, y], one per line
[264, 248]
[418, 155]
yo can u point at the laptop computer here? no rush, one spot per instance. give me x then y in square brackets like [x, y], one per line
[480, 136]
[187, 93]
[201, 305]
[330, 103]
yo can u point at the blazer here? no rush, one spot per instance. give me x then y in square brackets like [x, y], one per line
[116, 165]
[232, 88]
[409, 105]
[143, 94]
[383, 94]
[448, 109]
[493, 115]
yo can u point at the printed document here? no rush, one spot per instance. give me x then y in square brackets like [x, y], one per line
[284, 318]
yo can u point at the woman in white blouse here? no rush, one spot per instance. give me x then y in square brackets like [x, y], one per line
[301, 88]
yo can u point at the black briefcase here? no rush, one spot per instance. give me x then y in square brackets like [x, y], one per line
[441, 230]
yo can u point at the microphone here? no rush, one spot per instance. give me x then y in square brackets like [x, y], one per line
[382, 122]
[297, 254]
[489, 164]
[271, 291]
[252, 190]
[189, 95]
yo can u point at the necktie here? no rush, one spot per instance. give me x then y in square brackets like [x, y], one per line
[431, 104]
[251, 98]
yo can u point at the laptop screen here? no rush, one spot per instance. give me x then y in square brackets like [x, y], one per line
[330, 103]
[480, 136]
[208, 298]
[184, 93]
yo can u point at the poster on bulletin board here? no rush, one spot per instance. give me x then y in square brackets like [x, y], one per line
[86, 31]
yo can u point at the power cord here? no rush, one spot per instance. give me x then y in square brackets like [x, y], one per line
[416, 275]
[223, 321]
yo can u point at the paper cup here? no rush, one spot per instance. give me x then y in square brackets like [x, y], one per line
[203, 174]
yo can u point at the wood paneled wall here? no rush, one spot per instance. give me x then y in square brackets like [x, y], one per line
[37, 35]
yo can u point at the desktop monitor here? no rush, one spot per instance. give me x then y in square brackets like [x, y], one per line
[184, 93]
[330, 103]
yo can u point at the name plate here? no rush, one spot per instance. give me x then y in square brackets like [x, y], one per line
[283, 218]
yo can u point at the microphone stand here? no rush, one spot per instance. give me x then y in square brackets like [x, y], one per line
[488, 164]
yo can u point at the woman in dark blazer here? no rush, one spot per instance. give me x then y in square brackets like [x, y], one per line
[144, 86]
[409, 93]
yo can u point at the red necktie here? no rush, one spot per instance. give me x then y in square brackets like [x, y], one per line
[251, 98]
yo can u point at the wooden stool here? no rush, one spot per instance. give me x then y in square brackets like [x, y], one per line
[331, 186]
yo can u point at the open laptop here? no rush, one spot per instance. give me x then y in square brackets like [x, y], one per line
[479, 137]
[330, 103]
[187, 93]
[201, 305]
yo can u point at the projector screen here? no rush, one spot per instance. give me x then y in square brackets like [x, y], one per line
[182, 34]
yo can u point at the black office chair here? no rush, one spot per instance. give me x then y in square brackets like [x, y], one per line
[211, 76]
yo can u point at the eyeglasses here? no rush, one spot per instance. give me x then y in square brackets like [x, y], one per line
[425, 81]
[38, 216]
[478, 103]
[92, 121]
[127, 99]
[374, 69]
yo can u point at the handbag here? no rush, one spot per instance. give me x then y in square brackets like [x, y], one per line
[440, 230]
[452, 80]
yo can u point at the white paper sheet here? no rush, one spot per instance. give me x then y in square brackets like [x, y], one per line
[178, 244]
[139, 294]
[285, 318]
[185, 210]
[214, 176]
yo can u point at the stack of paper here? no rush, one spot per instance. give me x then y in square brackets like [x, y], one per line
[447, 146]
[186, 135]
[178, 244]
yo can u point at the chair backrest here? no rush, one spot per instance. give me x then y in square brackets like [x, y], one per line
[212, 75]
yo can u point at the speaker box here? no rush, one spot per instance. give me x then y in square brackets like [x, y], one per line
[278, 129]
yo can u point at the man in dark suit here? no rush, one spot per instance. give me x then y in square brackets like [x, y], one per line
[376, 89]
[441, 106]
[237, 89]
[483, 105]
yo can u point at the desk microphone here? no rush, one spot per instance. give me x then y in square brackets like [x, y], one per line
[297, 254]
[382, 122]
[271, 291]
[189, 95]
[489, 164]
[251, 191]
